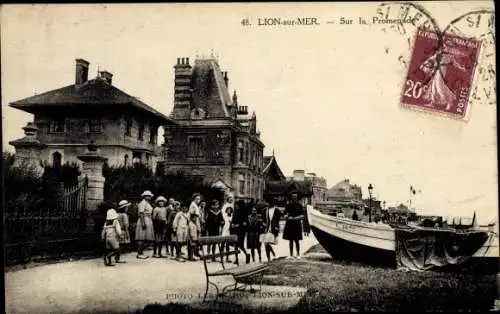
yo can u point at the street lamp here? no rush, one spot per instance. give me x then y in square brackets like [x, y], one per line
[370, 191]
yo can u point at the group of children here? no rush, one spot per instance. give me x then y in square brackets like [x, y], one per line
[175, 226]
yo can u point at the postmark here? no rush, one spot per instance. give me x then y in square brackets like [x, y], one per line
[480, 25]
[441, 73]
[409, 17]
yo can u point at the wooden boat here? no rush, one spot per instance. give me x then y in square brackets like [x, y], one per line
[375, 243]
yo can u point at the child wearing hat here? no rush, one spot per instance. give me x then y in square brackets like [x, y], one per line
[181, 228]
[124, 225]
[160, 226]
[110, 234]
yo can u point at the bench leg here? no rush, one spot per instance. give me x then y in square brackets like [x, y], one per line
[206, 290]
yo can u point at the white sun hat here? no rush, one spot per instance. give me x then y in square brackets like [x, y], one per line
[147, 193]
[161, 198]
[123, 203]
[111, 214]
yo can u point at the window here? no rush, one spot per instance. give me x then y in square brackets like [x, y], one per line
[58, 126]
[195, 148]
[152, 135]
[249, 187]
[56, 159]
[128, 126]
[241, 180]
[247, 154]
[241, 151]
[141, 132]
[126, 161]
[95, 126]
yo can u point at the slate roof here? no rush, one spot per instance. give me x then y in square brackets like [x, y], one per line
[267, 160]
[209, 89]
[92, 92]
[271, 163]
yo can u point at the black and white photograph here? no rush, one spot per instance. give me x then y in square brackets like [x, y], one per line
[250, 157]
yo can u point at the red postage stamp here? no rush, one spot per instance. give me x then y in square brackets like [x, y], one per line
[441, 73]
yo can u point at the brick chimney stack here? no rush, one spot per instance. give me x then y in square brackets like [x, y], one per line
[182, 88]
[298, 175]
[106, 76]
[82, 71]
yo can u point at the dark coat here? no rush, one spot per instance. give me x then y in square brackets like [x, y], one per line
[239, 222]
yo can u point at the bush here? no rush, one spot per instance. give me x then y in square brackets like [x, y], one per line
[26, 191]
[66, 174]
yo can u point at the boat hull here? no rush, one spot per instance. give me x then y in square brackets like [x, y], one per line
[346, 239]
[375, 244]
[341, 249]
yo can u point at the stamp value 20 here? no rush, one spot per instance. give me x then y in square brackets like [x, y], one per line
[441, 73]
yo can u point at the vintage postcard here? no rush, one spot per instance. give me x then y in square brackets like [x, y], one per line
[250, 158]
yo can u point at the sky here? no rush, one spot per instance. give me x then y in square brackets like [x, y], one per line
[327, 97]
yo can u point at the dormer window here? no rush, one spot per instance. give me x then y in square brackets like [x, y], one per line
[58, 125]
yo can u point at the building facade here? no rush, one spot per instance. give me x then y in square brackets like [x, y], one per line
[319, 187]
[213, 137]
[344, 190]
[124, 128]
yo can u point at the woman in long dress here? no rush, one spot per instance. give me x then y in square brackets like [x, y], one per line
[144, 233]
[293, 227]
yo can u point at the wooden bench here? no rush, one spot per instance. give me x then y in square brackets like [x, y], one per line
[239, 273]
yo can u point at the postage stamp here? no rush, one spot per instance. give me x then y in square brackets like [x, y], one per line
[440, 75]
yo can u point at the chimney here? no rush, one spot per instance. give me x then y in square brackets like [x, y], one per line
[298, 175]
[182, 89]
[226, 80]
[82, 71]
[106, 76]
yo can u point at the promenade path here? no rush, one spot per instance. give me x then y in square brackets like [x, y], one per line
[87, 285]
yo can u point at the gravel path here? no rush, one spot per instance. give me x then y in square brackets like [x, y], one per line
[87, 286]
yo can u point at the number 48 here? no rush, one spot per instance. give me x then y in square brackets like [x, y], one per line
[414, 89]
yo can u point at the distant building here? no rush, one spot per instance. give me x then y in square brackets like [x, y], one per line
[124, 128]
[343, 195]
[213, 138]
[278, 187]
[319, 187]
[344, 191]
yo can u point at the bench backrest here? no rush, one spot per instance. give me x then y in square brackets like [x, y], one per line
[230, 239]
[221, 242]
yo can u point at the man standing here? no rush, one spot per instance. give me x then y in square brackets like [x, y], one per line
[295, 214]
